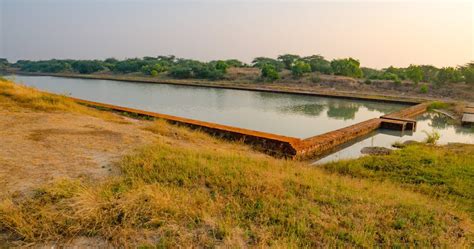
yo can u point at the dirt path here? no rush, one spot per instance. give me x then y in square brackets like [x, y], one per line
[39, 147]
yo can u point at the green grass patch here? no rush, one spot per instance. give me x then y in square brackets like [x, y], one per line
[170, 196]
[440, 172]
[438, 105]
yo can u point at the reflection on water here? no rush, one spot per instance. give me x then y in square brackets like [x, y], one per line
[344, 111]
[294, 115]
[385, 138]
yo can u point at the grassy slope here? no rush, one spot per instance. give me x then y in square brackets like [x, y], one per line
[439, 172]
[191, 189]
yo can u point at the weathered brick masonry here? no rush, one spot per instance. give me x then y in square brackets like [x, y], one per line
[277, 145]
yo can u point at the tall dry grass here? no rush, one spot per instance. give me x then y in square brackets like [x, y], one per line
[191, 190]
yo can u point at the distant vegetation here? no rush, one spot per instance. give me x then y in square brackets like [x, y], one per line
[271, 69]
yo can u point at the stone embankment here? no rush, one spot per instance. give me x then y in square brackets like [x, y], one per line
[283, 146]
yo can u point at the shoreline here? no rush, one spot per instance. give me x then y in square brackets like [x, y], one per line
[240, 86]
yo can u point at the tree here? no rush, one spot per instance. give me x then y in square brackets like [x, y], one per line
[468, 73]
[318, 64]
[221, 66]
[260, 62]
[429, 73]
[448, 75]
[346, 67]
[414, 73]
[400, 72]
[181, 72]
[234, 63]
[3, 64]
[371, 73]
[87, 67]
[299, 68]
[288, 60]
[269, 73]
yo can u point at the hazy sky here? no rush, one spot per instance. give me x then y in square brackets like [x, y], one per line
[379, 33]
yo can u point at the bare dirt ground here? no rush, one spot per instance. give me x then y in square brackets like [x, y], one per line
[39, 147]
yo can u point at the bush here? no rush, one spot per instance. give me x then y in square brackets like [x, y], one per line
[316, 79]
[318, 64]
[397, 82]
[448, 75]
[269, 73]
[424, 89]
[468, 73]
[368, 82]
[181, 72]
[414, 73]
[346, 67]
[300, 68]
[432, 137]
[288, 60]
[438, 105]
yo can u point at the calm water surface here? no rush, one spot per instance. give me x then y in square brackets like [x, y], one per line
[427, 122]
[285, 114]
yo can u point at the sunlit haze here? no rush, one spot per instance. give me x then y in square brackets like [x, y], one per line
[379, 34]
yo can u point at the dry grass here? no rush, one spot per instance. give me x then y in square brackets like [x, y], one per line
[191, 190]
[15, 96]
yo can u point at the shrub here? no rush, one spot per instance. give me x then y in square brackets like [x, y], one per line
[397, 82]
[368, 82]
[448, 75]
[269, 73]
[438, 105]
[346, 67]
[300, 68]
[424, 89]
[432, 137]
[181, 72]
[468, 73]
[414, 73]
[318, 64]
[288, 60]
[315, 79]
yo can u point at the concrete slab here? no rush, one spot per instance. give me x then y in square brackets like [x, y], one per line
[468, 118]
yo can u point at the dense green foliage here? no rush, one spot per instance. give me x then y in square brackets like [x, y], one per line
[288, 60]
[318, 64]
[468, 73]
[3, 64]
[347, 67]
[261, 62]
[269, 73]
[214, 70]
[299, 68]
[414, 73]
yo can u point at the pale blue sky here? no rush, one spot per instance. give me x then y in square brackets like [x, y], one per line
[379, 33]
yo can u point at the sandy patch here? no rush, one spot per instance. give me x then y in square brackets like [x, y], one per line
[37, 147]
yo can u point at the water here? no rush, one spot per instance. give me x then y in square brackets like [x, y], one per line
[427, 122]
[285, 114]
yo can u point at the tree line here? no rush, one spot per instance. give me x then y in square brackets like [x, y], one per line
[270, 68]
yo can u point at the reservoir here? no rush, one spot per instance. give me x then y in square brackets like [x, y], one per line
[294, 115]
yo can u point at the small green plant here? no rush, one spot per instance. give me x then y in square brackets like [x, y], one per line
[368, 82]
[316, 79]
[432, 137]
[424, 89]
[397, 82]
[438, 105]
